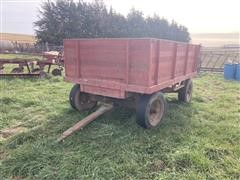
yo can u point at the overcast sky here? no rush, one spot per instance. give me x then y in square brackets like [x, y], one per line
[205, 16]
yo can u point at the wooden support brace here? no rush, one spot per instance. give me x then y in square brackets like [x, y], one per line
[102, 109]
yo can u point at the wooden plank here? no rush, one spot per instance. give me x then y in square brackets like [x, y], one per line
[150, 63]
[79, 58]
[81, 124]
[196, 58]
[127, 62]
[158, 87]
[186, 60]
[157, 65]
[174, 60]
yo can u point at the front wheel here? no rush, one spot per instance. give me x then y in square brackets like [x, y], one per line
[185, 93]
[56, 72]
[80, 100]
[150, 110]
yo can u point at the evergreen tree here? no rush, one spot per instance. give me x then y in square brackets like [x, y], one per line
[136, 24]
[70, 19]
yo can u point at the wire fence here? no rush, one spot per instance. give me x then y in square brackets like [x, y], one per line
[213, 59]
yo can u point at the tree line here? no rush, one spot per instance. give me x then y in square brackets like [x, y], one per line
[69, 19]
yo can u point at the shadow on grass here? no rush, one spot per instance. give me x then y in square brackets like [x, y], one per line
[112, 146]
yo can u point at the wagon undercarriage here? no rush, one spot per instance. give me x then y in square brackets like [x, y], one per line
[150, 108]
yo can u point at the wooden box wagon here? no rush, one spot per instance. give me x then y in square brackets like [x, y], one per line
[130, 71]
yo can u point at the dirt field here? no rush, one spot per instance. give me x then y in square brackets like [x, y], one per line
[215, 39]
[20, 38]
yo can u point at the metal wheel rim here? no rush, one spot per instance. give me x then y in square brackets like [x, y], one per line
[155, 112]
[82, 102]
[42, 74]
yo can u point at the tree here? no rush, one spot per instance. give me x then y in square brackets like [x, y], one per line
[114, 25]
[57, 21]
[136, 24]
[70, 19]
[157, 27]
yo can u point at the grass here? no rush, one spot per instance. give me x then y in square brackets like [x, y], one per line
[196, 141]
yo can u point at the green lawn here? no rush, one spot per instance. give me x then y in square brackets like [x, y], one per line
[196, 141]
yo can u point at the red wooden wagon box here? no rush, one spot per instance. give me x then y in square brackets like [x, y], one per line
[130, 69]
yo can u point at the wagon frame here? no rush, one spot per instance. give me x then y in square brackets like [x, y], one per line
[130, 71]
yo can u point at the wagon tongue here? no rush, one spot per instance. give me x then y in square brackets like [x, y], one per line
[82, 123]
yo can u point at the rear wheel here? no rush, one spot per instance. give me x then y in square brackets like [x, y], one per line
[79, 100]
[36, 70]
[42, 74]
[150, 110]
[185, 93]
[56, 72]
[17, 70]
[75, 88]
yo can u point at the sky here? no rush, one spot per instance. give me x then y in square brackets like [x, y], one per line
[205, 16]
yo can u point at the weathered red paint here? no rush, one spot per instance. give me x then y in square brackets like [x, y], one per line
[114, 67]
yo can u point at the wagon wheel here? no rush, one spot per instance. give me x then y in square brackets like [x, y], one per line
[36, 70]
[42, 74]
[150, 110]
[1, 70]
[56, 72]
[17, 70]
[80, 100]
[185, 93]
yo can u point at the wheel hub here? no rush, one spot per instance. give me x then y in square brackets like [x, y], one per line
[155, 113]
